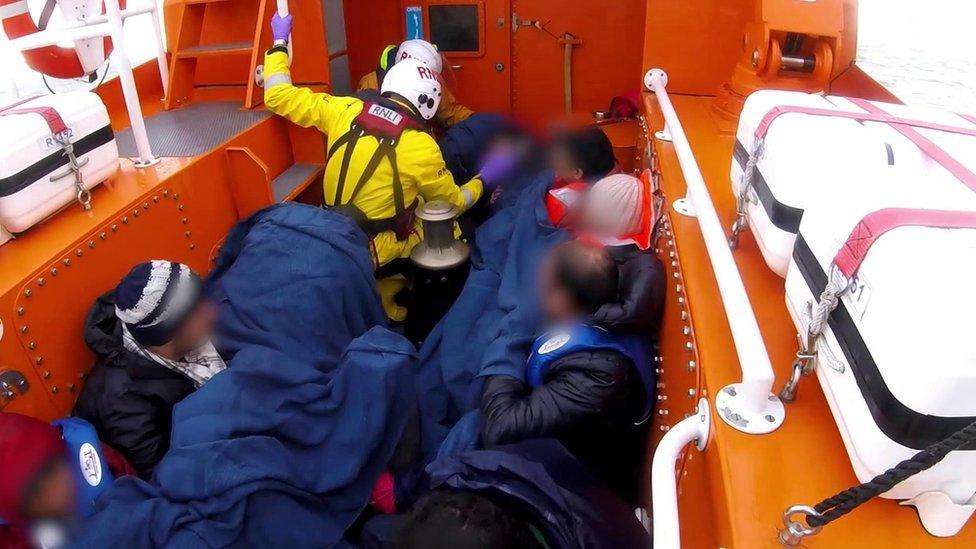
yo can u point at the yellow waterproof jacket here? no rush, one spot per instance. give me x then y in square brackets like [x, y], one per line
[421, 166]
[449, 113]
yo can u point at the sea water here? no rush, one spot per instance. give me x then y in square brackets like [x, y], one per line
[922, 51]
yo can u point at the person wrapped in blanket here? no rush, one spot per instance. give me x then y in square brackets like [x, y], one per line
[589, 380]
[531, 494]
[52, 474]
[152, 339]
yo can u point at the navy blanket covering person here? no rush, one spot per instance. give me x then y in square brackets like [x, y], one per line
[541, 481]
[294, 278]
[284, 447]
[494, 321]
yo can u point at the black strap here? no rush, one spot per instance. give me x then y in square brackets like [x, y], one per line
[385, 150]
[349, 139]
[399, 266]
[46, 14]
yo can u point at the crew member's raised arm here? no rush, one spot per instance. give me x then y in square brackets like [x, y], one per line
[300, 105]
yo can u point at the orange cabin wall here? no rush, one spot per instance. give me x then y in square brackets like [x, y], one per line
[606, 64]
[533, 58]
[698, 52]
[370, 27]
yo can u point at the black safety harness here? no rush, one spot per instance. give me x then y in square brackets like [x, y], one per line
[385, 121]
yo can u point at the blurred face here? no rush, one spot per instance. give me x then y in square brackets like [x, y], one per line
[590, 221]
[563, 164]
[557, 304]
[197, 330]
[53, 495]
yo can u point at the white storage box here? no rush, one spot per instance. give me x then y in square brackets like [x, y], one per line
[36, 179]
[808, 154]
[896, 360]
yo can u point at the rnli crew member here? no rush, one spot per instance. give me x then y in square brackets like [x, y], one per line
[381, 158]
[532, 494]
[578, 159]
[51, 476]
[589, 387]
[152, 336]
[450, 112]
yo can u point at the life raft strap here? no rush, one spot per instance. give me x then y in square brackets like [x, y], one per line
[54, 121]
[869, 230]
[906, 126]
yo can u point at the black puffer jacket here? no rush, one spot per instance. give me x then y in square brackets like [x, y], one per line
[128, 399]
[591, 399]
[640, 304]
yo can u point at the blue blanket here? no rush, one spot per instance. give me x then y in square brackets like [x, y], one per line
[464, 143]
[490, 328]
[283, 448]
[297, 279]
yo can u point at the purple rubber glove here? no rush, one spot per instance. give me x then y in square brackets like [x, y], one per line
[499, 163]
[280, 27]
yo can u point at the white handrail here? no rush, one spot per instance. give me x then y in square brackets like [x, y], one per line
[749, 406]
[110, 24]
[664, 487]
[128, 81]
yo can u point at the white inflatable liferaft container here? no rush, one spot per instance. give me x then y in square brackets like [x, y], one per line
[896, 359]
[35, 176]
[801, 152]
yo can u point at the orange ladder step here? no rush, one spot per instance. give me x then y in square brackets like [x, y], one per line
[204, 50]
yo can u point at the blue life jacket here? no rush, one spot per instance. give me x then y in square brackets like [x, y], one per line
[84, 450]
[559, 343]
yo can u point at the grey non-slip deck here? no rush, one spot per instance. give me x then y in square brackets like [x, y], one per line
[193, 130]
[285, 183]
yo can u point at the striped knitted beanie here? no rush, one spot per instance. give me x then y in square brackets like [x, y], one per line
[155, 298]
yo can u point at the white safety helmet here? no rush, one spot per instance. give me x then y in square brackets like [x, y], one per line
[422, 51]
[417, 83]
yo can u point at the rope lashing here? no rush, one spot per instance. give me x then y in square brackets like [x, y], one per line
[844, 502]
